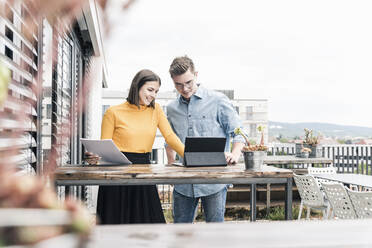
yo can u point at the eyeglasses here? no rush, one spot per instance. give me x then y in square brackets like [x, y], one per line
[187, 85]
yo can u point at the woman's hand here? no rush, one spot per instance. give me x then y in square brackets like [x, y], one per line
[91, 158]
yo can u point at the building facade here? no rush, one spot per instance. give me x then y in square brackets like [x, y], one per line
[56, 78]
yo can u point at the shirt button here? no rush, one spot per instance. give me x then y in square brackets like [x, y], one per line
[189, 115]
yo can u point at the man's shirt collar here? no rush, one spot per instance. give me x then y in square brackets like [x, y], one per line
[200, 93]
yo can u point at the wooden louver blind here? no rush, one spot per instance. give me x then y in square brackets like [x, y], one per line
[18, 115]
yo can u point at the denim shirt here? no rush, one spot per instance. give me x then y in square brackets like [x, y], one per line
[208, 113]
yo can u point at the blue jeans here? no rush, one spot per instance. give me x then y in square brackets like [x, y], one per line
[185, 208]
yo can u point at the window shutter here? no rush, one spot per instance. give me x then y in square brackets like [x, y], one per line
[18, 115]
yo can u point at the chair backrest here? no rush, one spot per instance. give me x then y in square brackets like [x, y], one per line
[309, 190]
[322, 170]
[339, 200]
[362, 202]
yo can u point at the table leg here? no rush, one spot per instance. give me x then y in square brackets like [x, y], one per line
[56, 187]
[253, 202]
[268, 198]
[67, 191]
[288, 199]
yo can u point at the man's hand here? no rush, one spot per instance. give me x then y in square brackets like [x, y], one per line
[91, 158]
[231, 158]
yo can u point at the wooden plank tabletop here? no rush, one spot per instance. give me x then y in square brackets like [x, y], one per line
[348, 178]
[142, 173]
[149, 174]
[278, 160]
[324, 233]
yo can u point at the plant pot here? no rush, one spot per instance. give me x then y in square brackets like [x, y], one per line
[304, 154]
[254, 160]
[298, 149]
[316, 150]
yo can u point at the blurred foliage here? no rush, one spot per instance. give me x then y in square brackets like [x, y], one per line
[28, 191]
[61, 13]
[4, 81]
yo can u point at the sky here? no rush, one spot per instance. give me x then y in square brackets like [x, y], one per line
[312, 60]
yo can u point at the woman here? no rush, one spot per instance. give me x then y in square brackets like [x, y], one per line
[132, 126]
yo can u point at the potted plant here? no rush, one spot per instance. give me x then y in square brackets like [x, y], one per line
[254, 155]
[312, 142]
[305, 152]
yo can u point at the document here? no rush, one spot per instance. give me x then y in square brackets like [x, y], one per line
[107, 150]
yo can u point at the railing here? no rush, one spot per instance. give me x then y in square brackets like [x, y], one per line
[346, 158]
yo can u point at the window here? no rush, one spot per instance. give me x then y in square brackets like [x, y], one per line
[237, 109]
[8, 53]
[104, 108]
[253, 130]
[9, 33]
[249, 113]
[49, 111]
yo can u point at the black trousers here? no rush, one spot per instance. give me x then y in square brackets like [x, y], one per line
[130, 204]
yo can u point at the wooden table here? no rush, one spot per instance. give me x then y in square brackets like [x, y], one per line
[287, 160]
[278, 234]
[348, 178]
[298, 165]
[142, 174]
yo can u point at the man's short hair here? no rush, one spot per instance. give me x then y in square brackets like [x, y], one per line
[180, 65]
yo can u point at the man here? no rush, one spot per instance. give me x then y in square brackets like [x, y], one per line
[200, 112]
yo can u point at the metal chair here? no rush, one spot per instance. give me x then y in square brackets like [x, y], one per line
[311, 196]
[322, 170]
[342, 208]
[325, 170]
[366, 189]
[362, 202]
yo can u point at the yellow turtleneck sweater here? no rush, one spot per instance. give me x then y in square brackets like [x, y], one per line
[134, 130]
